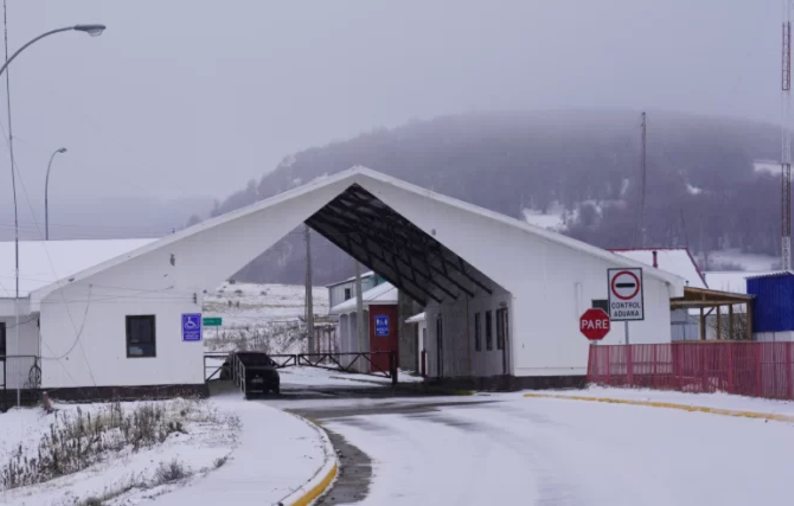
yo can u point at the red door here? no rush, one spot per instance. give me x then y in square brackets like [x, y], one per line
[382, 335]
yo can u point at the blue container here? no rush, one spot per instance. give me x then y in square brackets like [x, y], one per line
[773, 308]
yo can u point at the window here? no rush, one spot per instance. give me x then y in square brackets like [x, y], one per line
[601, 304]
[140, 336]
[3, 339]
[489, 330]
[348, 294]
[477, 333]
[501, 328]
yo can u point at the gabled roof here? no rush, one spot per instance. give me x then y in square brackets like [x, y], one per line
[384, 293]
[42, 263]
[364, 275]
[306, 198]
[678, 261]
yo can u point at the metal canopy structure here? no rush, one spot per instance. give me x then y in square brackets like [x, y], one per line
[380, 238]
[708, 301]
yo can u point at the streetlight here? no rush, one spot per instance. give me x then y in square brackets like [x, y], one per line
[92, 30]
[46, 194]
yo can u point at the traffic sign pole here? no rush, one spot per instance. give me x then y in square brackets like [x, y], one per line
[626, 331]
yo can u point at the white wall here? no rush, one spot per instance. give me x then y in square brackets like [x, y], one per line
[552, 283]
[84, 337]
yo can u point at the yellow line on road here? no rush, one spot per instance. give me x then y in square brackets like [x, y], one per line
[669, 405]
[318, 489]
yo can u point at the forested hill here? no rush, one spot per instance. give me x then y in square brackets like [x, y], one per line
[703, 189]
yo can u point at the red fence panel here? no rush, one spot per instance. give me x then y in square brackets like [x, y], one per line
[745, 368]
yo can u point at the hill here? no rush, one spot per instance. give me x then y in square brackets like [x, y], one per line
[704, 189]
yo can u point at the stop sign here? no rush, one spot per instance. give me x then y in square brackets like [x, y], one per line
[594, 324]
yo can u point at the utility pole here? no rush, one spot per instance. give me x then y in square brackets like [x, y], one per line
[643, 182]
[785, 134]
[361, 322]
[309, 298]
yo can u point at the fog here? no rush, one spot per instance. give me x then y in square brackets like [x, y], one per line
[190, 99]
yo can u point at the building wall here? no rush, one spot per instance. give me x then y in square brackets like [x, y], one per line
[84, 329]
[460, 356]
[551, 281]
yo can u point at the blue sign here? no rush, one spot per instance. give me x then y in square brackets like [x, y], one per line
[191, 327]
[381, 325]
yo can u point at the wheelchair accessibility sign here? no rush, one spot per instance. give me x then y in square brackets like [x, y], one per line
[191, 327]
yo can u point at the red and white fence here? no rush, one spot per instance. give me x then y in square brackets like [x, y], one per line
[744, 368]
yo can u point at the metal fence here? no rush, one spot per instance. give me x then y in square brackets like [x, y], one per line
[745, 368]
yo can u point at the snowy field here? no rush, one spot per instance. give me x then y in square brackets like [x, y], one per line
[505, 448]
[227, 451]
[264, 317]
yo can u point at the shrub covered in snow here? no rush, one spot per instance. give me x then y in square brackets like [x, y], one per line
[80, 438]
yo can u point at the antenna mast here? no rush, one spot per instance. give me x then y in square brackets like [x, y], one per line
[644, 176]
[785, 155]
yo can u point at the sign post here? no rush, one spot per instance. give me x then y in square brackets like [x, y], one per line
[626, 296]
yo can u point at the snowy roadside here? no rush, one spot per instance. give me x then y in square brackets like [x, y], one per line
[226, 451]
[709, 400]
[189, 438]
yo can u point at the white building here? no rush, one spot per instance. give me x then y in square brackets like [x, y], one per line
[502, 297]
[346, 289]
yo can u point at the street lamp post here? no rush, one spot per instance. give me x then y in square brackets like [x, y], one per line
[47, 193]
[93, 30]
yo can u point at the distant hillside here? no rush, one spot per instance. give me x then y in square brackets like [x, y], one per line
[703, 191]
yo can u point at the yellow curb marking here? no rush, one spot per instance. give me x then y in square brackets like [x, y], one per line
[670, 405]
[318, 489]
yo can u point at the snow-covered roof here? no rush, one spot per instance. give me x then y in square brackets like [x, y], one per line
[351, 279]
[677, 261]
[417, 318]
[732, 281]
[384, 293]
[44, 262]
[310, 198]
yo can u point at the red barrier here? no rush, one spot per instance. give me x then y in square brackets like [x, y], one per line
[744, 368]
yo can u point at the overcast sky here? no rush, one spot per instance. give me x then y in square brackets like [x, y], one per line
[190, 97]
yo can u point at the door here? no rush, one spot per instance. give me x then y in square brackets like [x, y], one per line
[383, 336]
[439, 347]
[3, 354]
[502, 343]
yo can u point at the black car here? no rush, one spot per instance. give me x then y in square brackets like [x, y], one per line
[261, 374]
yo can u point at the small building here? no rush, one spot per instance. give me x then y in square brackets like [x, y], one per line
[773, 318]
[346, 289]
[378, 302]
[419, 328]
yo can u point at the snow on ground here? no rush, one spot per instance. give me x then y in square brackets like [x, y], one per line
[260, 316]
[557, 451]
[277, 454]
[124, 476]
[710, 400]
[318, 377]
[237, 452]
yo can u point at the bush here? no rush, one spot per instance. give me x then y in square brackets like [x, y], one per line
[78, 439]
[170, 472]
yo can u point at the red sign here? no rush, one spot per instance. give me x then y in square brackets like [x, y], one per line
[594, 324]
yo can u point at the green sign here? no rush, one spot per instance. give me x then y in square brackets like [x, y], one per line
[215, 321]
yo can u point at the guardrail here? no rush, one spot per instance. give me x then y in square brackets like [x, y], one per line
[372, 363]
[757, 369]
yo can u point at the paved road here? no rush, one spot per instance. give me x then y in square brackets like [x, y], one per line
[503, 448]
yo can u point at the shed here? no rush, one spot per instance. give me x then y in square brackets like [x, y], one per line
[774, 305]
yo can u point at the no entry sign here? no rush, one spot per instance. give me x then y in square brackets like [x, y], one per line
[594, 324]
[625, 294]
